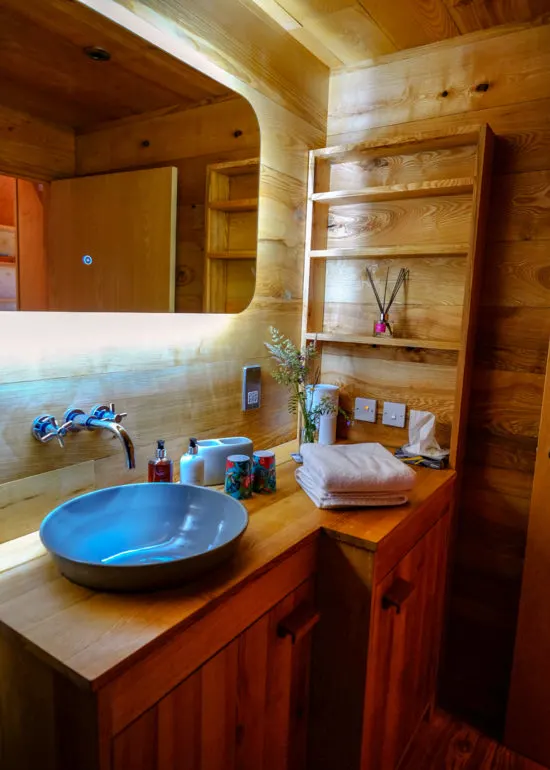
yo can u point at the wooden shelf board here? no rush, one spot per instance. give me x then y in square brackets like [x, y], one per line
[396, 192]
[398, 145]
[237, 167]
[239, 204]
[395, 342]
[408, 250]
[231, 255]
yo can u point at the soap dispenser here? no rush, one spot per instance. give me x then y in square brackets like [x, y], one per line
[160, 467]
[192, 466]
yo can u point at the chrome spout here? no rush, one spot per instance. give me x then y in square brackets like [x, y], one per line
[118, 430]
[103, 418]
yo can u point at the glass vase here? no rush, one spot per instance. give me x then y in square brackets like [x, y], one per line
[308, 433]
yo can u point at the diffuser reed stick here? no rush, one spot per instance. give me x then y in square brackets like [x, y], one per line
[383, 325]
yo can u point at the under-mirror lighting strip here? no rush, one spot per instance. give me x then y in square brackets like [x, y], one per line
[93, 342]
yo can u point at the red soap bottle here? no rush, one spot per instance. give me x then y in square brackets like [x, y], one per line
[160, 467]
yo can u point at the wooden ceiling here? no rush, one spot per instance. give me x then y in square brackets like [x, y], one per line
[45, 72]
[343, 32]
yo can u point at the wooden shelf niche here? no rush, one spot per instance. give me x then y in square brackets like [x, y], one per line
[231, 235]
[416, 202]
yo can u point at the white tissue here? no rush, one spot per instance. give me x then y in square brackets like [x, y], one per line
[422, 440]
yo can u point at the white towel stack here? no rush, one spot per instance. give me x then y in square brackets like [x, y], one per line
[353, 475]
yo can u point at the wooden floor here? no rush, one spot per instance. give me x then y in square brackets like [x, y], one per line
[447, 744]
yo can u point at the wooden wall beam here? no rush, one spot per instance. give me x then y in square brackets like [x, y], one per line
[33, 148]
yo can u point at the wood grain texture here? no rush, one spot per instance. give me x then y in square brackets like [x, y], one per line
[366, 706]
[248, 704]
[190, 140]
[32, 279]
[437, 314]
[33, 148]
[445, 742]
[285, 521]
[401, 684]
[219, 45]
[126, 223]
[45, 71]
[512, 328]
[528, 702]
[347, 31]
[365, 98]
[235, 711]
[54, 359]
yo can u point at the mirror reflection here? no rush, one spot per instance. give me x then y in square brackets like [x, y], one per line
[128, 180]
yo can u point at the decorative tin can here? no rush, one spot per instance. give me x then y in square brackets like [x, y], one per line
[238, 476]
[263, 471]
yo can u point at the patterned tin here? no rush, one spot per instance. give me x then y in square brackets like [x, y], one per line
[238, 476]
[263, 472]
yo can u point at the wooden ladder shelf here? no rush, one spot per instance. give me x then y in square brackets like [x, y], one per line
[419, 202]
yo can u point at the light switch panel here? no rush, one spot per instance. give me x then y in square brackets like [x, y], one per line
[252, 388]
[394, 414]
[365, 409]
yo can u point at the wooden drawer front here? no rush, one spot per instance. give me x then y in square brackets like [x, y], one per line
[403, 649]
[143, 685]
[245, 708]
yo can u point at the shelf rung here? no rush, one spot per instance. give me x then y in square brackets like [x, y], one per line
[239, 204]
[396, 192]
[395, 342]
[410, 250]
[231, 255]
[236, 167]
[398, 145]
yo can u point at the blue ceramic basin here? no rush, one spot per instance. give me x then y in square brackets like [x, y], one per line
[143, 536]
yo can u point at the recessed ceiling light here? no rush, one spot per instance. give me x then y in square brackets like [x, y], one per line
[96, 53]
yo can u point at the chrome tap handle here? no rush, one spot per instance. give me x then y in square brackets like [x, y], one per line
[104, 412]
[45, 428]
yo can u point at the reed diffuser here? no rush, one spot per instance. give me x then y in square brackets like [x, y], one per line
[382, 326]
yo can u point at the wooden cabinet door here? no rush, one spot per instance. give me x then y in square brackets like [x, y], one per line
[111, 242]
[245, 709]
[404, 644]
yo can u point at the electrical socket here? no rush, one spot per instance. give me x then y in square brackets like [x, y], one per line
[365, 409]
[394, 414]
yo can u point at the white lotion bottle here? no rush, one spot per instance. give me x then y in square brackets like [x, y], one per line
[192, 466]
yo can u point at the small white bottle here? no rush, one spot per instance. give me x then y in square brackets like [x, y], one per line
[192, 466]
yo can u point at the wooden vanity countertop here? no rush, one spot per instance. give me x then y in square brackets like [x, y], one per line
[92, 636]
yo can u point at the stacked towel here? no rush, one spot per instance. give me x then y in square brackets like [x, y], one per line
[352, 475]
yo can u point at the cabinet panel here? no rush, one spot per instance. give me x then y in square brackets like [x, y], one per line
[245, 709]
[403, 649]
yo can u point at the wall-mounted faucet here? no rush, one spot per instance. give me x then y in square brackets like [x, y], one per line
[45, 428]
[101, 417]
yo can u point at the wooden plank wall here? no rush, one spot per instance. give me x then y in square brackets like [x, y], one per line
[175, 375]
[34, 148]
[427, 89]
[189, 140]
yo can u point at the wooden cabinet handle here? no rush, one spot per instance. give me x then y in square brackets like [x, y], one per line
[299, 622]
[397, 594]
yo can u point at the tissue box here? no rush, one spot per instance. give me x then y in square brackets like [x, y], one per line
[215, 452]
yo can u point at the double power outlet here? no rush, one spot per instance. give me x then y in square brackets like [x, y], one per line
[393, 414]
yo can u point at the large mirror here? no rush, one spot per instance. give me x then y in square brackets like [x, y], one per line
[128, 180]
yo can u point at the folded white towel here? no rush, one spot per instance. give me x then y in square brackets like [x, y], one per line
[356, 468]
[324, 499]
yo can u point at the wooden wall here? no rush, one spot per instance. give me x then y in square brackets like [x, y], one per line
[427, 89]
[189, 140]
[175, 375]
